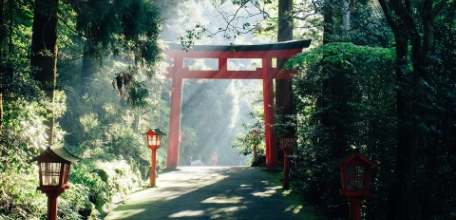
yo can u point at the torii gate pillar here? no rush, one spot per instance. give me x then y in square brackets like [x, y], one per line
[172, 159]
[281, 50]
[268, 106]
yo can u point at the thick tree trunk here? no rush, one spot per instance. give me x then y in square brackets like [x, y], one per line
[283, 87]
[411, 96]
[328, 33]
[88, 69]
[44, 53]
[2, 40]
[399, 192]
[327, 99]
[346, 19]
[328, 20]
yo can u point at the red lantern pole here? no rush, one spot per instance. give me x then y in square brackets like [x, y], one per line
[153, 139]
[355, 207]
[153, 170]
[52, 206]
[287, 143]
[214, 159]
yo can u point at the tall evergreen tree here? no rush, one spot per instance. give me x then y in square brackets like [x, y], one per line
[44, 53]
[283, 88]
[413, 25]
[135, 32]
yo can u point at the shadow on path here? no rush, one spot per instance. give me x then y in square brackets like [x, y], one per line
[213, 193]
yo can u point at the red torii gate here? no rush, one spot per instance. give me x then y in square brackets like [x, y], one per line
[265, 52]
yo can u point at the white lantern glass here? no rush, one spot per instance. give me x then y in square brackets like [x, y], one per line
[50, 173]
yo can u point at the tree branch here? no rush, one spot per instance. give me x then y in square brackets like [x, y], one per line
[438, 8]
[389, 18]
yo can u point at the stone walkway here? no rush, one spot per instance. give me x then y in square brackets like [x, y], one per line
[213, 193]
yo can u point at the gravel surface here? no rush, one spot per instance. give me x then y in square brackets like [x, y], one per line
[213, 193]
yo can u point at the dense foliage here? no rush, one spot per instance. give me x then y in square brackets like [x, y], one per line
[394, 104]
[93, 121]
[359, 112]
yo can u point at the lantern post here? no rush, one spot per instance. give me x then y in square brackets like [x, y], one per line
[214, 158]
[153, 138]
[287, 144]
[355, 171]
[54, 169]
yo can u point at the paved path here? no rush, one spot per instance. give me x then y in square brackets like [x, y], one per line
[213, 193]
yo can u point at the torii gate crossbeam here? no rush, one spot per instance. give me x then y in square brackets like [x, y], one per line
[265, 52]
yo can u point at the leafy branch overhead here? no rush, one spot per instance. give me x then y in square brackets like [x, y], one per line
[247, 17]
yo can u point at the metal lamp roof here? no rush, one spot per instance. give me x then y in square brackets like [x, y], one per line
[57, 151]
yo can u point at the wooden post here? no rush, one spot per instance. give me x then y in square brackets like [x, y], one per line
[52, 206]
[153, 168]
[355, 207]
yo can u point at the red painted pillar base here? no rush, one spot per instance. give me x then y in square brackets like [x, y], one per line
[52, 207]
[153, 170]
[172, 158]
[355, 207]
[268, 102]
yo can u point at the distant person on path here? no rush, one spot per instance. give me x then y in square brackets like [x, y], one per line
[214, 159]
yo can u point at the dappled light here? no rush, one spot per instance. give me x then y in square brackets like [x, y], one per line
[223, 199]
[208, 192]
[261, 109]
[294, 208]
[188, 213]
[130, 212]
[268, 193]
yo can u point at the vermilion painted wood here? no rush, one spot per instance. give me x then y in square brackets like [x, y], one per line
[355, 196]
[186, 73]
[236, 54]
[175, 114]
[265, 52]
[268, 106]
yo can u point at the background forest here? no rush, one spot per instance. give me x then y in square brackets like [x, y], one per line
[379, 76]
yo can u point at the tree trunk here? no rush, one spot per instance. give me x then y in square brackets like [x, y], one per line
[328, 35]
[328, 20]
[405, 151]
[2, 40]
[329, 82]
[283, 87]
[346, 19]
[410, 95]
[44, 53]
[88, 69]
